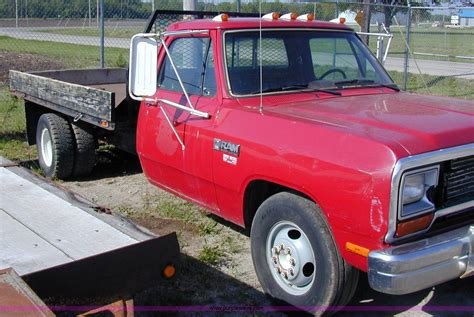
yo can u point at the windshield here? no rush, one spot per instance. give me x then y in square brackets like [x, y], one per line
[300, 60]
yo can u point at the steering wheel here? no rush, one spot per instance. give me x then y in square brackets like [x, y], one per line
[334, 70]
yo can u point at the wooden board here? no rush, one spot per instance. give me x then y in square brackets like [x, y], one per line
[60, 231]
[78, 98]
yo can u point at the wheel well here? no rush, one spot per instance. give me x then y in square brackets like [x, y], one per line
[257, 192]
[32, 113]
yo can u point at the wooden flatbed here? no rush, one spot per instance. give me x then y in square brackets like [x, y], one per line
[90, 95]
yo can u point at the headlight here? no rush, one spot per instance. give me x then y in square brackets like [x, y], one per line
[415, 188]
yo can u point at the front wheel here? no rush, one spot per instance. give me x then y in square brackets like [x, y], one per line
[296, 258]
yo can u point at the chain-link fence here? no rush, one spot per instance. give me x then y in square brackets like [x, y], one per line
[441, 42]
[37, 34]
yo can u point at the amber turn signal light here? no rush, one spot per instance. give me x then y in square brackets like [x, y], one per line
[413, 225]
[169, 271]
[357, 249]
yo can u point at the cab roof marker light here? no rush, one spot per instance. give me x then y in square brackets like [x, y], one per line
[342, 20]
[271, 16]
[223, 17]
[305, 17]
[289, 16]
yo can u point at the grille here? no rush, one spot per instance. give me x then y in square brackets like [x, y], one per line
[460, 179]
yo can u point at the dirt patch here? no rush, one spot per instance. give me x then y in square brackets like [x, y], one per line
[25, 62]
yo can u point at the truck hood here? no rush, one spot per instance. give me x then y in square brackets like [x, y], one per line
[416, 123]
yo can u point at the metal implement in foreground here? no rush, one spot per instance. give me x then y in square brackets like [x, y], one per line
[15, 294]
[62, 245]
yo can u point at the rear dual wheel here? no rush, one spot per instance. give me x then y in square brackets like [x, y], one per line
[296, 258]
[64, 149]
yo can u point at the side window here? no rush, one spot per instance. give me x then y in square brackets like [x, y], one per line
[193, 58]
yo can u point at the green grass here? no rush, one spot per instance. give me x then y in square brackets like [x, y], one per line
[72, 55]
[176, 209]
[208, 228]
[212, 255]
[94, 32]
[13, 143]
[440, 86]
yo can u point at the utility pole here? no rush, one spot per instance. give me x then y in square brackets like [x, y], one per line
[89, 13]
[152, 6]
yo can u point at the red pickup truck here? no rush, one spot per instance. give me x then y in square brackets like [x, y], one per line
[292, 129]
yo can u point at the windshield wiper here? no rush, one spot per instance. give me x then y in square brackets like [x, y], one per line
[283, 88]
[364, 82]
[295, 87]
[332, 92]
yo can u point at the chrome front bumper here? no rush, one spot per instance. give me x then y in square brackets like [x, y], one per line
[418, 265]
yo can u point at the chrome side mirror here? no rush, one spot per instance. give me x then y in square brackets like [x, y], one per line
[142, 76]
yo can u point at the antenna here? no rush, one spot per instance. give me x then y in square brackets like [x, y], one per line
[260, 55]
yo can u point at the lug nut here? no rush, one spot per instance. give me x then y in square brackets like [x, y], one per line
[288, 251]
[292, 261]
[282, 247]
[285, 275]
[278, 269]
[275, 259]
[275, 250]
[292, 271]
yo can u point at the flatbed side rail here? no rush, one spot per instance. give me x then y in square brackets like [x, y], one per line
[74, 99]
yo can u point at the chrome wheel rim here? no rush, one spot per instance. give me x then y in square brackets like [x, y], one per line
[290, 258]
[46, 147]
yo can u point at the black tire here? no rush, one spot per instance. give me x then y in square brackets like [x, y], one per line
[55, 145]
[297, 221]
[85, 145]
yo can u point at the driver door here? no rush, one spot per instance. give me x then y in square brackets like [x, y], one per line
[180, 160]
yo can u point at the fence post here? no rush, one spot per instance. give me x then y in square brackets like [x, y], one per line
[16, 13]
[365, 27]
[102, 34]
[407, 50]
